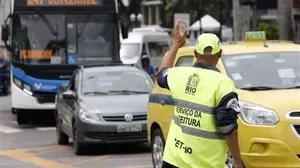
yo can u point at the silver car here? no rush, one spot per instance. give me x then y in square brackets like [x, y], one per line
[106, 104]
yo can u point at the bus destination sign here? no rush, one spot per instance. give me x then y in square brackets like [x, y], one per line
[64, 2]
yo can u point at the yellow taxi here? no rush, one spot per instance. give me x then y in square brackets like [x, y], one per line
[267, 78]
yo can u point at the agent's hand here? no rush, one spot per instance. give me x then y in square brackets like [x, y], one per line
[238, 165]
[179, 37]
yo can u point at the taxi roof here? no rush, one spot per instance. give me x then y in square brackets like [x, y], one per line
[240, 47]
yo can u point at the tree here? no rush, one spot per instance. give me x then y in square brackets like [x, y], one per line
[285, 19]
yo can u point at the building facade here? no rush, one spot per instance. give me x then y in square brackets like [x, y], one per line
[152, 11]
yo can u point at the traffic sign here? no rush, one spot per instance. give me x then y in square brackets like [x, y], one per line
[72, 59]
[255, 36]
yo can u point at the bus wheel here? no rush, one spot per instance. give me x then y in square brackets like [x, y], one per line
[157, 148]
[21, 118]
[13, 111]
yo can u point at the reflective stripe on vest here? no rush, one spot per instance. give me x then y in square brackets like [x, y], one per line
[197, 132]
[196, 93]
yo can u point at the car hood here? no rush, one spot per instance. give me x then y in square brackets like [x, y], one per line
[116, 104]
[282, 101]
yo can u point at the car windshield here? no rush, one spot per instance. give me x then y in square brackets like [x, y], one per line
[276, 70]
[64, 38]
[120, 82]
[129, 50]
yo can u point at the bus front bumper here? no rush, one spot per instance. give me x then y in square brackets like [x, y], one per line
[23, 100]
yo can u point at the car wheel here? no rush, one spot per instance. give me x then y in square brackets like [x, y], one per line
[157, 148]
[61, 137]
[22, 118]
[78, 147]
[230, 161]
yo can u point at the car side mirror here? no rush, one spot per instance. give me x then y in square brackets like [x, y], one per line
[68, 94]
[5, 33]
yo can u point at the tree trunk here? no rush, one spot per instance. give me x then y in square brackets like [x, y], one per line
[241, 20]
[285, 19]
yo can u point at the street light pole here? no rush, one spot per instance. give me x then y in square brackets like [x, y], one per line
[199, 14]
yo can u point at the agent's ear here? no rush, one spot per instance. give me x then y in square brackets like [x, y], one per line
[220, 53]
[195, 54]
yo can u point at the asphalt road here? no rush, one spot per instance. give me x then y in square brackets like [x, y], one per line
[34, 146]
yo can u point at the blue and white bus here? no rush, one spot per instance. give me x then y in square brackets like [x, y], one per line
[48, 39]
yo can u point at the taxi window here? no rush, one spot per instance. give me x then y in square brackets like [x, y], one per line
[185, 61]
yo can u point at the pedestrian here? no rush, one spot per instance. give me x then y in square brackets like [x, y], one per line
[4, 74]
[147, 67]
[204, 124]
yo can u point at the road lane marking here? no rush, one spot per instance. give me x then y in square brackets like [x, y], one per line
[46, 128]
[38, 148]
[14, 122]
[8, 130]
[90, 160]
[58, 148]
[31, 158]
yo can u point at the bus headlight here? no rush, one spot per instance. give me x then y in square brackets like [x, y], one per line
[23, 86]
[257, 115]
[18, 82]
[27, 87]
[89, 117]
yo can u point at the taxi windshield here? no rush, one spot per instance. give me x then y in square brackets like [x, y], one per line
[275, 70]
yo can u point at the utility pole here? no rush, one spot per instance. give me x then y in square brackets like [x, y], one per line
[254, 15]
[199, 13]
[221, 6]
[285, 19]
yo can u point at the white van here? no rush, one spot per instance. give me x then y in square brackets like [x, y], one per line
[144, 41]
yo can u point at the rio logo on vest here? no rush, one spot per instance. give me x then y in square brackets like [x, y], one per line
[191, 86]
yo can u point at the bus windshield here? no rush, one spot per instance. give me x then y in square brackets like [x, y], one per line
[64, 39]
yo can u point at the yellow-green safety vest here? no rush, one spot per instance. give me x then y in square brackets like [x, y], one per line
[194, 140]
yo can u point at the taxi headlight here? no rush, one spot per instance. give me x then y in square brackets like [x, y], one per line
[89, 117]
[257, 115]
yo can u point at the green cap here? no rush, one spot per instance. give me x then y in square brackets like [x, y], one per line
[208, 40]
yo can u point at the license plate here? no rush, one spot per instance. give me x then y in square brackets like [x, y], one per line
[129, 128]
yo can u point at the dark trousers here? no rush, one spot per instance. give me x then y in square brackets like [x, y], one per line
[168, 165]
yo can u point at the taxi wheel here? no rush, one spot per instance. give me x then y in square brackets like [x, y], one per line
[157, 148]
[78, 147]
[62, 138]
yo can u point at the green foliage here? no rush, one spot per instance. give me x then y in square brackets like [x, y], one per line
[271, 30]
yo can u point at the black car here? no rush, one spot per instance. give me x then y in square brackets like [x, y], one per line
[103, 104]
